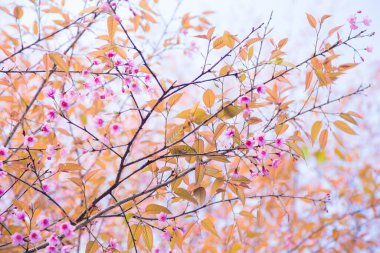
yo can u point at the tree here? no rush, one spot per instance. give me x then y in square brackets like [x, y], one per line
[102, 140]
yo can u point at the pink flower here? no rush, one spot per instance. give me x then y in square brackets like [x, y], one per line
[235, 174]
[167, 236]
[110, 54]
[369, 49]
[128, 80]
[20, 215]
[64, 104]
[260, 139]
[97, 80]
[67, 249]
[352, 20]
[117, 18]
[2, 218]
[245, 100]
[45, 187]
[275, 163]
[30, 140]
[51, 249]
[67, 229]
[96, 62]
[249, 143]
[49, 92]
[367, 21]
[135, 88]
[17, 239]
[3, 174]
[148, 78]
[230, 133]
[1, 192]
[3, 151]
[279, 142]
[43, 222]
[51, 115]
[260, 89]
[105, 7]
[156, 250]
[46, 129]
[116, 128]
[135, 70]
[50, 150]
[113, 244]
[263, 154]
[53, 240]
[353, 26]
[162, 217]
[99, 122]
[35, 236]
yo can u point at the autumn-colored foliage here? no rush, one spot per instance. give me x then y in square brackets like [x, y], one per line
[105, 147]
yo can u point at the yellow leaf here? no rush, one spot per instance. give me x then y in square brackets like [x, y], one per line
[344, 127]
[155, 209]
[309, 78]
[348, 118]
[58, 60]
[315, 130]
[312, 21]
[69, 167]
[218, 43]
[209, 226]
[92, 247]
[18, 12]
[147, 236]
[185, 195]
[209, 98]
[323, 138]
[112, 26]
[88, 10]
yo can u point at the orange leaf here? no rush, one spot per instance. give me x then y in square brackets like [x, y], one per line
[312, 20]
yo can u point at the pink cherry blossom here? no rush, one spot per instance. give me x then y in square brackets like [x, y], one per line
[110, 54]
[66, 229]
[1, 192]
[17, 239]
[369, 49]
[3, 174]
[99, 122]
[20, 215]
[162, 216]
[67, 249]
[51, 115]
[156, 250]
[260, 139]
[43, 222]
[50, 150]
[148, 78]
[263, 154]
[53, 240]
[249, 143]
[245, 100]
[2, 218]
[235, 174]
[260, 89]
[51, 249]
[46, 129]
[352, 20]
[135, 88]
[113, 244]
[97, 80]
[367, 21]
[105, 7]
[35, 236]
[353, 26]
[279, 142]
[49, 92]
[167, 236]
[230, 133]
[116, 128]
[275, 163]
[95, 62]
[64, 104]
[3, 151]
[45, 187]
[117, 18]
[30, 140]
